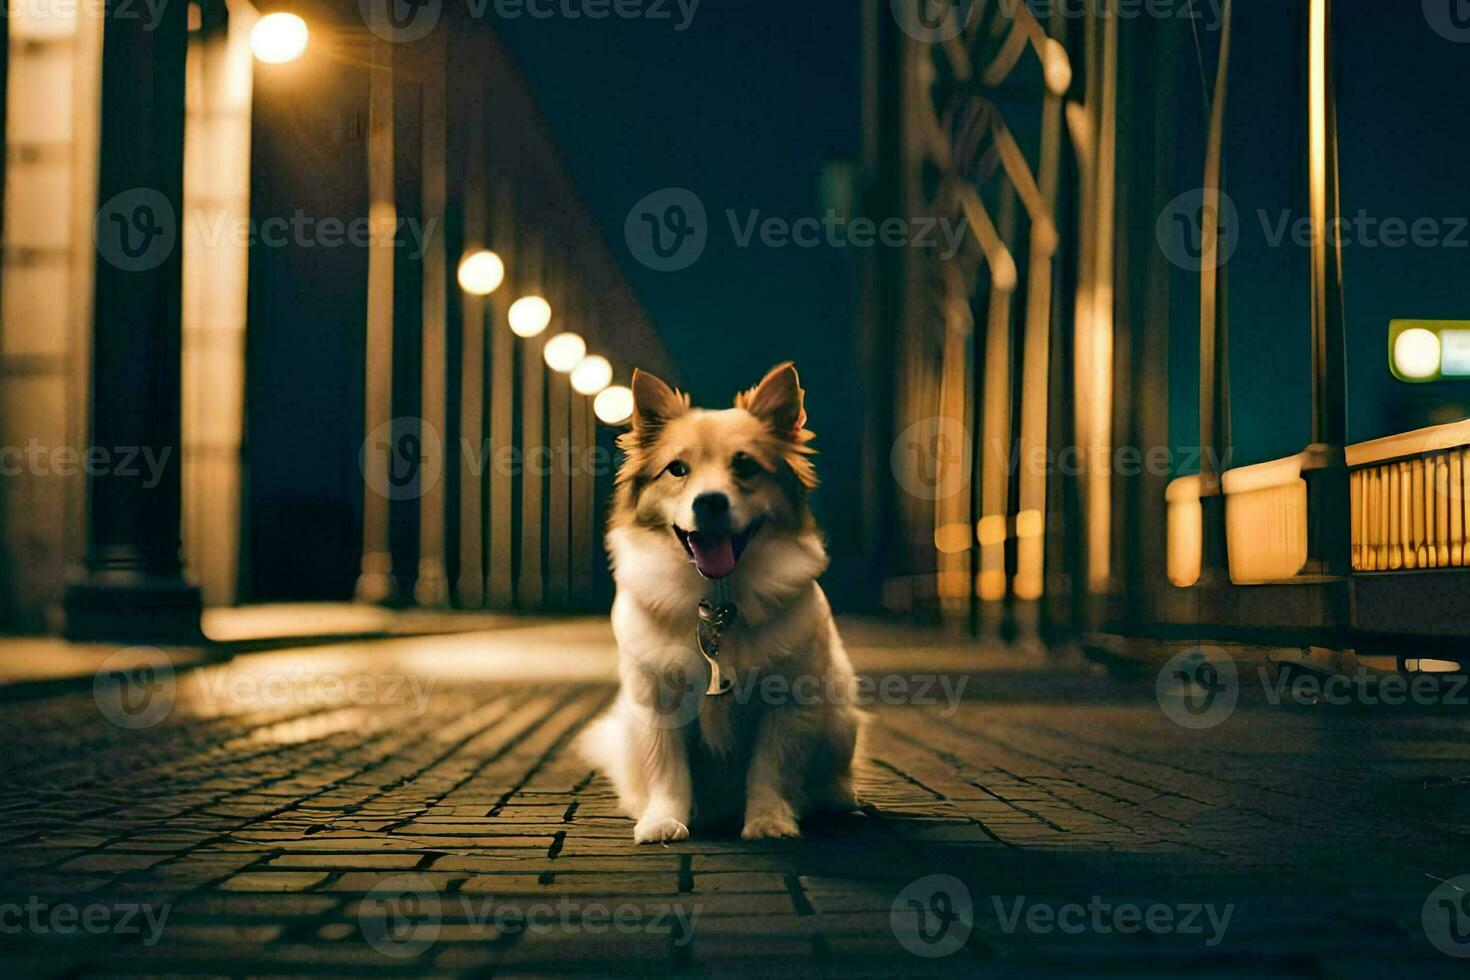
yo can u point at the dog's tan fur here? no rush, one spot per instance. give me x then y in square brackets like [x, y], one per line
[759, 759]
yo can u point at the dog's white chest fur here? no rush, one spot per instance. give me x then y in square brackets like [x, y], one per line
[774, 748]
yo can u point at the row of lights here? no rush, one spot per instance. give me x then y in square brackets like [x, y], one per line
[481, 272]
[280, 37]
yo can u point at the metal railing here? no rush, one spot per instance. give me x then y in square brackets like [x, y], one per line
[1410, 509]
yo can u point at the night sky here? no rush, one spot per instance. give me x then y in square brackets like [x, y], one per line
[746, 108]
[1402, 142]
[748, 105]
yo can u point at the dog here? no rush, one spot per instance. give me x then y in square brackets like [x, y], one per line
[712, 506]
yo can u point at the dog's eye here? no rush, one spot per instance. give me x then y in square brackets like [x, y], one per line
[677, 468]
[744, 466]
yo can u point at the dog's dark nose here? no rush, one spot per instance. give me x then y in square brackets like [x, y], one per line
[711, 508]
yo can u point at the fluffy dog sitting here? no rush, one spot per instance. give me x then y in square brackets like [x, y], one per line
[712, 505]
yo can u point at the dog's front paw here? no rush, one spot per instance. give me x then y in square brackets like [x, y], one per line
[656, 830]
[767, 825]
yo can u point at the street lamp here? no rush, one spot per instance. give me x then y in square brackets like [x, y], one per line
[529, 315]
[564, 351]
[278, 38]
[481, 272]
[592, 375]
[614, 406]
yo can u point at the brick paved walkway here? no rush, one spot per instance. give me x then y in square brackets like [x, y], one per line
[411, 807]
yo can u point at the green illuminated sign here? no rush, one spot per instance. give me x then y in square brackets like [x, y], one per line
[1429, 350]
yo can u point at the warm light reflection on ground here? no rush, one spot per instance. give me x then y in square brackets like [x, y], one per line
[266, 802]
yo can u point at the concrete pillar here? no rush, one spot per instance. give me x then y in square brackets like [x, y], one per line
[50, 175]
[216, 268]
[584, 524]
[376, 582]
[501, 514]
[530, 586]
[470, 587]
[559, 397]
[133, 587]
[432, 585]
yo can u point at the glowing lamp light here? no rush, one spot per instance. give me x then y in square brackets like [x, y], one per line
[592, 375]
[951, 539]
[991, 530]
[1416, 353]
[564, 351]
[481, 272]
[1432, 666]
[1056, 68]
[614, 406]
[278, 38]
[529, 315]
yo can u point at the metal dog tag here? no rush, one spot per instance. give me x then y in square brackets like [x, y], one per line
[713, 620]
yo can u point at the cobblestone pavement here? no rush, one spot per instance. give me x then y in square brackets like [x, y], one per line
[411, 807]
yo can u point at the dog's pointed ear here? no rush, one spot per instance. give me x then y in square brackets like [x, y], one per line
[654, 403]
[777, 400]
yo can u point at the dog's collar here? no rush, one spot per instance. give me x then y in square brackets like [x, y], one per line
[716, 613]
[717, 590]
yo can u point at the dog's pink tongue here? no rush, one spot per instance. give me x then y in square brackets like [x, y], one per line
[714, 557]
